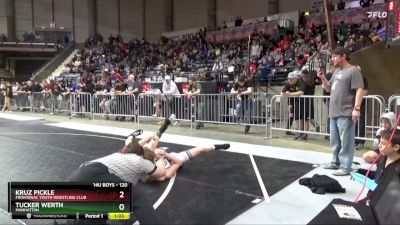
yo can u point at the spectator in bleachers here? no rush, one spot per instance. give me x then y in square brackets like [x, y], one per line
[238, 21]
[255, 49]
[365, 3]
[224, 26]
[365, 26]
[265, 68]
[341, 5]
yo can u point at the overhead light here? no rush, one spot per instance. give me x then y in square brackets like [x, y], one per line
[306, 13]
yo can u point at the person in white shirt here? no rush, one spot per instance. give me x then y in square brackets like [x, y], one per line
[170, 90]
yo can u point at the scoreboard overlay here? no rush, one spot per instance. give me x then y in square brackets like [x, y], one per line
[72, 200]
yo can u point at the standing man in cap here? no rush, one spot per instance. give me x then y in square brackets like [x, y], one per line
[194, 90]
[288, 89]
[133, 88]
[170, 89]
[243, 90]
[346, 91]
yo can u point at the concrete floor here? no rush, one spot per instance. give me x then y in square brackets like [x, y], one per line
[235, 133]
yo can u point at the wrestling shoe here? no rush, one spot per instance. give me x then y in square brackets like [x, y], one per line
[222, 146]
[136, 132]
[164, 127]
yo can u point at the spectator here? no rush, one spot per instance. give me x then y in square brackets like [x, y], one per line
[132, 88]
[291, 87]
[341, 5]
[346, 88]
[238, 21]
[224, 26]
[365, 3]
[388, 122]
[360, 126]
[170, 89]
[243, 90]
[389, 161]
[255, 50]
[194, 90]
[306, 110]
[8, 95]
[331, 7]
[117, 76]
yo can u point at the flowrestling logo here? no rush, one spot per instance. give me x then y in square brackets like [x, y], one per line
[379, 15]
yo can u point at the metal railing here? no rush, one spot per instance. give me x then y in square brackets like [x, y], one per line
[42, 101]
[157, 105]
[114, 104]
[1, 99]
[274, 112]
[314, 110]
[81, 105]
[246, 110]
[206, 108]
[394, 104]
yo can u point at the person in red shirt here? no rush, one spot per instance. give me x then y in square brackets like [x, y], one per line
[117, 76]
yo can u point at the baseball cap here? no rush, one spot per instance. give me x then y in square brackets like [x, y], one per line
[305, 72]
[167, 77]
[292, 75]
